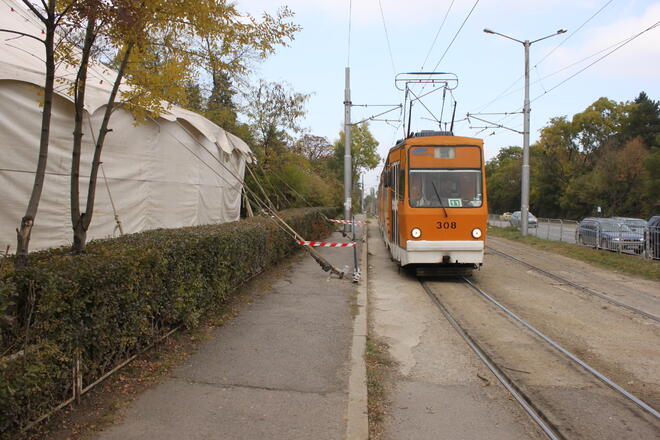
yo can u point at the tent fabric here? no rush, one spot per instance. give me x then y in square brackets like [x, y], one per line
[179, 169]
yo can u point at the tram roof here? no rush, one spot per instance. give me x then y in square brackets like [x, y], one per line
[427, 138]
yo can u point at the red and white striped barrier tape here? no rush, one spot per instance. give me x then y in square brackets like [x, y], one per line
[346, 222]
[325, 244]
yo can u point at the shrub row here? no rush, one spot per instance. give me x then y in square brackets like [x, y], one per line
[120, 297]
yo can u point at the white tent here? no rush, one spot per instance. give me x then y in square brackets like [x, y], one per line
[177, 170]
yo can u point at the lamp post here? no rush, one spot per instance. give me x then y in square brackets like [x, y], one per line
[524, 193]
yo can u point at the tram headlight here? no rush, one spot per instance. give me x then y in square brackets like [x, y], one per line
[416, 232]
[476, 233]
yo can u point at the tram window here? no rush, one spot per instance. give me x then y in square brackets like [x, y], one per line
[402, 183]
[435, 188]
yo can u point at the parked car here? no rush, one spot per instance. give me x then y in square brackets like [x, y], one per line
[515, 220]
[635, 224]
[653, 226]
[606, 233]
[506, 216]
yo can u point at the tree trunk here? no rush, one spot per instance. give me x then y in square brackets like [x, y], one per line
[85, 219]
[77, 219]
[79, 235]
[25, 229]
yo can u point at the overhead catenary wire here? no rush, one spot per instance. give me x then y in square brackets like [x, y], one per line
[444, 19]
[504, 92]
[568, 66]
[435, 68]
[455, 35]
[599, 59]
[568, 37]
[610, 49]
[387, 36]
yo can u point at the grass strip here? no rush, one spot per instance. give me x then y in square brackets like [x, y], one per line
[378, 368]
[620, 263]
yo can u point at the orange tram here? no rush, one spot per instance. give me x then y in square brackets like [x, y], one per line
[432, 203]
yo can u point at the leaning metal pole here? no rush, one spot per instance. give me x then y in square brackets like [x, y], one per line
[524, 196]
[347, 150]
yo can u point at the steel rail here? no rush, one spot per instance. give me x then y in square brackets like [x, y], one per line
[577, 271]
[607, 381]
[523, 400]
[578, 286]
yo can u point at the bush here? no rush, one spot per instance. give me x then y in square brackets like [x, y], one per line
[121, 296]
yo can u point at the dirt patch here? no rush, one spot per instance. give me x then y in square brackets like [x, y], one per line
[379, 370]
[105, 404]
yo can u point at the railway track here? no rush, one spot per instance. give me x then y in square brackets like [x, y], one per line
[580, 287]
[525, 394]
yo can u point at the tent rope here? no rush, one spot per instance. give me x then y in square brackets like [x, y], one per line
[274, 217]
[118, 225]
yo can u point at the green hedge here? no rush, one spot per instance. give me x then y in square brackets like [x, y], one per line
[122, 296]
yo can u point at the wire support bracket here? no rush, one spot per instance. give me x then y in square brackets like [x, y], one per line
[491, 124]
[375, 117]
[403, 80]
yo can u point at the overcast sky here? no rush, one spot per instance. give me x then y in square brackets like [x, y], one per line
[486, 65]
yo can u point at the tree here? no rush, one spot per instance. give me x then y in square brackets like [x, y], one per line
[363, 152]
[597, 125]
[50, 13]
[556, 158]
[145, 35]
[643, 120]
[616, 183]
[313, 148]
[652, 164]
[228, 58]
[274, 111]
[503, 180]
[220, 107]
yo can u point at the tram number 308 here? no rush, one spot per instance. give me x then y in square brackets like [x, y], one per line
[445, 225]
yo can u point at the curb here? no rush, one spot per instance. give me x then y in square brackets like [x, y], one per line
[357, 426]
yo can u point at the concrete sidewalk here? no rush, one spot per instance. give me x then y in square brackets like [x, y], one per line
[280, 370]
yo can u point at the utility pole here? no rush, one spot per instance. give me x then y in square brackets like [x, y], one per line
[524, 192]
[362, 193]
[347, 150]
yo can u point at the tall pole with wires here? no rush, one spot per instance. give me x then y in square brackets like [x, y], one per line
[524, 191]
[347, 149]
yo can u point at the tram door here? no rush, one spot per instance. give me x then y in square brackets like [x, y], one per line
[394, 232]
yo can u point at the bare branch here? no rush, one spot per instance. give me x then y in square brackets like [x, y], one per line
[23, 34]
[35, 11]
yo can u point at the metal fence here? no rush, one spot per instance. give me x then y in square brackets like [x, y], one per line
[611, 235]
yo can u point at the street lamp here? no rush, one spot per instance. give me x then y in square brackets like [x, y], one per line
[524, 196]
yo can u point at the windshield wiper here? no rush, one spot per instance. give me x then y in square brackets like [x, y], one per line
[435, 190]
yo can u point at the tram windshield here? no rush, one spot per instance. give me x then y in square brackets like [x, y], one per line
[437, 188]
